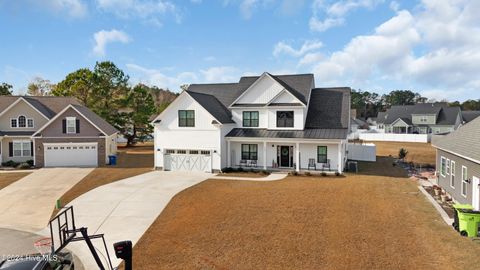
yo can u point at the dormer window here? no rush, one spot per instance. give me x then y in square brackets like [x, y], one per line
[71, 125]
[284, 118]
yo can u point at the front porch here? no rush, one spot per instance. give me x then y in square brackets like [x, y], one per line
[315, 156]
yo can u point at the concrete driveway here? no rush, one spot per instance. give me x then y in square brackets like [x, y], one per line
[125, 209]
[28, 203]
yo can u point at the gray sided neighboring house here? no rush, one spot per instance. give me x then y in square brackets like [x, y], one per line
[458, 163]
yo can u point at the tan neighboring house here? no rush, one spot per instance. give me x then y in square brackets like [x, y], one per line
[54, 132]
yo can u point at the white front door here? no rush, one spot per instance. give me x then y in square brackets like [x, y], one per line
[476, 193]
[70, 154]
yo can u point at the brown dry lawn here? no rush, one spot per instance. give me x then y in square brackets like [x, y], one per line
[131, 161]
[420, 153]
[354, 222]
[9, 178]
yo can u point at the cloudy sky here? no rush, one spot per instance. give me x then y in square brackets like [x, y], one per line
[430, 46]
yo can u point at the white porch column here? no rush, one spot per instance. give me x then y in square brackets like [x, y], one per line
[265, 155]
[340, 157]
[297, 157]
[229, 154]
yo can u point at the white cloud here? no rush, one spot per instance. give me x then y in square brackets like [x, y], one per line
[434, 47]
[248, 7]
[220, 74]
[283, 48]
[103, 37]
[74, 8]
[150, 11]
[310, 58]
[157, 77]
[328, 15]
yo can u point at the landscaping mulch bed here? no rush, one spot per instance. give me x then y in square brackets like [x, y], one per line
[447, 206]
[362, 222]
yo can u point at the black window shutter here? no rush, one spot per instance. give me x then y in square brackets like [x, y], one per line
[10, 149]
[31, 148]
[64, 126]
[77, 123]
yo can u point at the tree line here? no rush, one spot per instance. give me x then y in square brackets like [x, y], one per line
[368, 104]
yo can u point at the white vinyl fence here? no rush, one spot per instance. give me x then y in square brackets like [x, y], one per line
[362, 152]
[392, 137]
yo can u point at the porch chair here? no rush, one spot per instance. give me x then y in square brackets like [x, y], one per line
[243, 163]
[326, 165]
[312, 164]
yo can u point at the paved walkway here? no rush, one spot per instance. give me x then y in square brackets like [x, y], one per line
[124, 210]
[27, 204]
[270, 177]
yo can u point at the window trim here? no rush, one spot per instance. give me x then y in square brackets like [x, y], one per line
[443, 166]
[249, 152]
[318, 153]
[71, 119]
[33, 123]
[187, 123]
[16, 122]
[285, 120]
[453, 172]
[25, 121]
[463, 191]
[447, 169]
[250, 113]
[22, 142]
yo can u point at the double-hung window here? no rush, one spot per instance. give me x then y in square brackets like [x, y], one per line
[464, 181]
[30, 122]
[443, 165]
[452, 174]
[250, 119]
[321, 154]
[71, 125]
[284, 118]
[22, 149]
[448, 166]
[249, 152]
[13, 122]
[186, 118]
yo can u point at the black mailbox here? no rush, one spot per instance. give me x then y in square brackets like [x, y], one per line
[123, 250]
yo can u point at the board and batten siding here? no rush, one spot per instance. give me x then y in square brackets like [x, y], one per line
[473, 169]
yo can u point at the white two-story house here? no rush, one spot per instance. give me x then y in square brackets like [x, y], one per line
[262, 122]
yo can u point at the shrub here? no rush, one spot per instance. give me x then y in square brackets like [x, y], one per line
[337, 174]
[264, 172]
[324, 174]
[10, 163]
[308, 173]
[30, 161]
[240, 169]
[252, 170]
[402, 154]
[24, 166]
[293, 173]
[227, 170]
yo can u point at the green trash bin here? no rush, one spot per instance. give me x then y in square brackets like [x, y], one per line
[469, 221]
[457, 206]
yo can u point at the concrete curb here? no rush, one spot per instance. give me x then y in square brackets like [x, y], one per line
[439, 209]
[271, 177]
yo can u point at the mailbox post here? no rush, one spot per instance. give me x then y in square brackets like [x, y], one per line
[123, 250]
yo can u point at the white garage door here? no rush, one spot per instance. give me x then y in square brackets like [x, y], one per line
[188, 160]
[70, 154]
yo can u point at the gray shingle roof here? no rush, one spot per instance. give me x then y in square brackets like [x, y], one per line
[213, 106]
[445, 115]
[48, 106]
[340, 133]
[329, 108]
[97, 120]
[468, 116]
[464, 141]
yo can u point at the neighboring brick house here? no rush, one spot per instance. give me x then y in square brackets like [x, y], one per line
[458, 163]
[54, 131]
